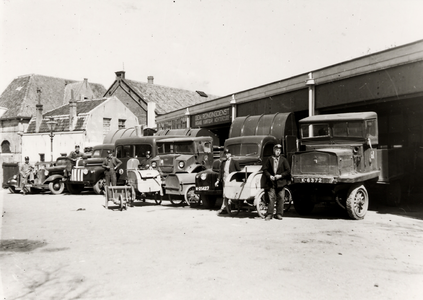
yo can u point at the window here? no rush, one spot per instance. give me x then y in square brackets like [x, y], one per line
[5, 147]
[106, 125]
[121, 124]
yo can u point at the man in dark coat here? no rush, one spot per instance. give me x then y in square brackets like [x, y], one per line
[226, 167]
[72, 158]
[110, 165]
[277, 171]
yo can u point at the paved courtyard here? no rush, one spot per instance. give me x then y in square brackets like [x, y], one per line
[71, 247]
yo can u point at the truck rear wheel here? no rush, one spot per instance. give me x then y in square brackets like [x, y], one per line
[261, 204]
[357, 202]
[302, 203]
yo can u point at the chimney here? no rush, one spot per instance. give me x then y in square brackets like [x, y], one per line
[120, 75]
[72, 112]
[138, 131]
[150, 79]
[151, 115]
[39, 112]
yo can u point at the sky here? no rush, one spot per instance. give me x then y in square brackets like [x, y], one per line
[216, 46]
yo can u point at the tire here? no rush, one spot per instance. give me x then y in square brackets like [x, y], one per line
[98, 187]
[288, 200]
[302, 203]
[56, 187]
[122, 203]
[357, 202]
[233, 207]
[393, 194]
[75, 188]
[158, 199]
[12, 189]
[176, 202]
[209, 202]
[192, 198]
[261, 204]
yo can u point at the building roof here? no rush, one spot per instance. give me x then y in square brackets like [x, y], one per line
[61, 116]
[167, 99]
[20, 97]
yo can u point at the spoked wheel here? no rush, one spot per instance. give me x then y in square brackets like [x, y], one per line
[261, 204]
[357, 202]
[177, 201]
[288, 200]
[158, 199]
[192, 198]
[233, 207]
[56, 187]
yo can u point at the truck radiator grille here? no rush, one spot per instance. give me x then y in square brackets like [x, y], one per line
[77, 175]
[315, 163]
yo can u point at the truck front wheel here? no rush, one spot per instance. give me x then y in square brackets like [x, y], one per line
[357, 202]
[56, 187]
[75, 188]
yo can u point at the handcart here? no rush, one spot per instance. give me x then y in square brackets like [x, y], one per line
[146, 183]
[120, 196]
[245, 190]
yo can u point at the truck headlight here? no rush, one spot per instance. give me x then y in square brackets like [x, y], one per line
[85, 171]
[181, 164]
[203, 176]
[120, 171]
[45, 172]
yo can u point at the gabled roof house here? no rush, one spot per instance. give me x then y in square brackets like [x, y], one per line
[139, 96]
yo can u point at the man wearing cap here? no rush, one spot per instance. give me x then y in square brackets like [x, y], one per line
[277, 171]
[226, 167]
[73, 157]
[145, 162]
[26, 171]
[110, 165]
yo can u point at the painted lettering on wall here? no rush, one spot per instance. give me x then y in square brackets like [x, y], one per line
[212, 117]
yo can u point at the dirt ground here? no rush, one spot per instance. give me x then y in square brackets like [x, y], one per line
[71, 247]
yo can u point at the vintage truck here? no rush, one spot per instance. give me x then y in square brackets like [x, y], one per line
[179, 159]
[88, 172]
[340, 159]
[251, 140]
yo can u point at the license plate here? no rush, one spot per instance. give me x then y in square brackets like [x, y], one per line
[202, 188]
[312, 180]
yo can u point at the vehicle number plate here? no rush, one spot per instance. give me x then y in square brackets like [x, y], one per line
[202, 188]
[311, 180]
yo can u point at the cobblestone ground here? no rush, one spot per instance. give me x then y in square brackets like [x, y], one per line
[71, 247]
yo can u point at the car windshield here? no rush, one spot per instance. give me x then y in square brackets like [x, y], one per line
[348, 129]
[247, 149]
[178, 147]
[141, 150]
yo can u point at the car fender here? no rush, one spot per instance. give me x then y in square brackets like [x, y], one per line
[53, 177]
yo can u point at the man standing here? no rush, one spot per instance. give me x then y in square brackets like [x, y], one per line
[72, 158]
[110, 165]
[226, 167]
[277, 171]
[26, 171]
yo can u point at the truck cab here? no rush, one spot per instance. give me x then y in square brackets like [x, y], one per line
[339, 158]
[179, 159]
